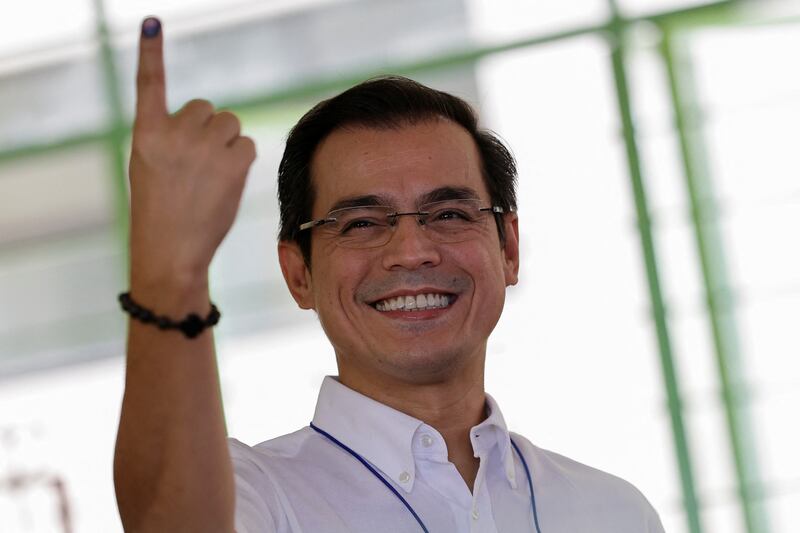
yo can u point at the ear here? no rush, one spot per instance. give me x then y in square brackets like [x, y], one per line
[296, 273]
[511, 248]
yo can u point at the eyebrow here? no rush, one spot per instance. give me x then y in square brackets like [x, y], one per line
[449, 193]
[436, 195]
[367, 200]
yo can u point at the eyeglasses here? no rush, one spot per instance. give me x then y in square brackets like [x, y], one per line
[448, 221]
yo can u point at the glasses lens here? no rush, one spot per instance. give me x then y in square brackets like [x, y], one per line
[454, 220]
[360, 227]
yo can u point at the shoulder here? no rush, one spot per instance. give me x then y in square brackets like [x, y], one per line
[554, 466]
[275, 458]
[593, 492]
[260, 474]
[285, 446]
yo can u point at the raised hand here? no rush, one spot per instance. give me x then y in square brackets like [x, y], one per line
[187, 174]
[172, 468]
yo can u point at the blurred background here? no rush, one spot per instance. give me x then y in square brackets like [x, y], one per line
[655, 332]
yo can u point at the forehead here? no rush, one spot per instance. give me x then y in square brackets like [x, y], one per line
[401, 164]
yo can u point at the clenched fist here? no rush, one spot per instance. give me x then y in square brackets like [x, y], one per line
[187, 174]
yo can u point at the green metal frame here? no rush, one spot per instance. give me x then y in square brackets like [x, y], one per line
[617, 38]
[117, 132]
[711, 12]
[719, 299]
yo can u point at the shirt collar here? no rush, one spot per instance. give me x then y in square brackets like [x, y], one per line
[384, 436]
[491, 432]
[375, 431]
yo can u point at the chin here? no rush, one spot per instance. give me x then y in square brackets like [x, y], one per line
[424, 367]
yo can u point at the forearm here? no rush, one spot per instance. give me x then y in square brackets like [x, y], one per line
[172, 469]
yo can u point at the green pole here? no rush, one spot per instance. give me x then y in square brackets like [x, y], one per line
[669, 373]
[719, 299]
[117, 133]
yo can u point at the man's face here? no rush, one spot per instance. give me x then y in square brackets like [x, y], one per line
[351, 289]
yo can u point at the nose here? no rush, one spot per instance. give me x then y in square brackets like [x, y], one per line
[409, 247]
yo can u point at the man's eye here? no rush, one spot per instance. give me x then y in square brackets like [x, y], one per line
[359, 224]
[450, 214]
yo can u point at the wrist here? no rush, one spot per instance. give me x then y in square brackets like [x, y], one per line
[166, 267]
[174, 295]
[167, 278]
[191, 326]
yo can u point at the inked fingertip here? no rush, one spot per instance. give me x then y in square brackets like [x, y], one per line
[151, 27]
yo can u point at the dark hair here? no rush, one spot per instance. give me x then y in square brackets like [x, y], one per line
[384, 102]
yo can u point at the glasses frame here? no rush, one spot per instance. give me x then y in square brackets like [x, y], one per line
[392, 216]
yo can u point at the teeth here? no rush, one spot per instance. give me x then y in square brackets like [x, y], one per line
[413, 303]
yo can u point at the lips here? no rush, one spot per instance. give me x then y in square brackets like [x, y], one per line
[415, 302]
[425, 292]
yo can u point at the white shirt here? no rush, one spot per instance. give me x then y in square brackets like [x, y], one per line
[302, 482]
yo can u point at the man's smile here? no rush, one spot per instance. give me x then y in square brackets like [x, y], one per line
[416, 306]
[411, 302]
[414, 299]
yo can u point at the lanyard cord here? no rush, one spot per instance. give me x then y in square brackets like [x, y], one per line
[400, 496]
[377, 475]
[530, 486]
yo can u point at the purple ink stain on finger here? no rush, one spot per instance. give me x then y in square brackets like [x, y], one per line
[151, 27]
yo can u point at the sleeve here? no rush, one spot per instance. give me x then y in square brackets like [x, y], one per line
[258, 506]
[654, 524]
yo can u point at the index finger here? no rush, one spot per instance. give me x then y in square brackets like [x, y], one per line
[151, 91]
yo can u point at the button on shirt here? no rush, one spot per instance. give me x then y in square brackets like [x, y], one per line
[302, 482]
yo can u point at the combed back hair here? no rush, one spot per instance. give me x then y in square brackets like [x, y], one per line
[387, 102]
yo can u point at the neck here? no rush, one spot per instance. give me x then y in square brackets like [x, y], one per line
[452, 407]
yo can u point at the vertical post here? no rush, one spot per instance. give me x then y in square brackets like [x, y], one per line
[719, 299]
[116, 141]
[690, 502]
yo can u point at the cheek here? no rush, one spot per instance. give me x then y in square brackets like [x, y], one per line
[483, 264]
[488, 274]
[338, 275]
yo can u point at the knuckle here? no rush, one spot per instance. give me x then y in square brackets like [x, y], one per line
[198, 106]
[248, 148]
[225, 120]
[252, 150]
[228, 116]
[200, 103]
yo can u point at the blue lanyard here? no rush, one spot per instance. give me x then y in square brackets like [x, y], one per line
[400, 496]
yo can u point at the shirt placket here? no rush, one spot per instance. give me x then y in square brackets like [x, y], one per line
[481, 518]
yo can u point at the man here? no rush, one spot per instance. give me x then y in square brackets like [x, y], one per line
[398, 228]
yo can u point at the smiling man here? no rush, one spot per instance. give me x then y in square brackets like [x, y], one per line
[399, 229]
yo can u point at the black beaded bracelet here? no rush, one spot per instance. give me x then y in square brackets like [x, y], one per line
[191, 326]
